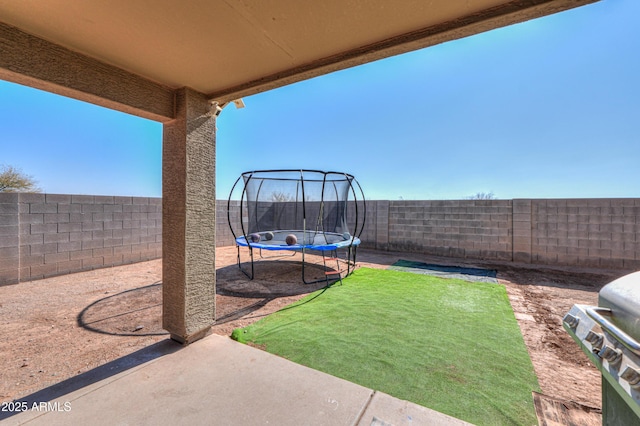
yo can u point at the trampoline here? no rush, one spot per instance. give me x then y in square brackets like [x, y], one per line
[302, 211]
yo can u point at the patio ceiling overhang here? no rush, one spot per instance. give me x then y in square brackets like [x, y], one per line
[132, 55]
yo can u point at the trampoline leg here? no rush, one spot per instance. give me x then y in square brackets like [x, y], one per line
[240, 263]
[252, 271]
[304, 280]
[335, 256]
[349, 255]
[303, 276]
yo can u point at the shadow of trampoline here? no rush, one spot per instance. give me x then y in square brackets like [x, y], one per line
[272, 279]
[138, 311]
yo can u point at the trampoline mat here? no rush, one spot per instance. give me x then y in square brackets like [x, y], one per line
[443, 271]
[320, 241]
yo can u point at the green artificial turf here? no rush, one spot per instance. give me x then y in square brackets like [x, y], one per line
[449, 345]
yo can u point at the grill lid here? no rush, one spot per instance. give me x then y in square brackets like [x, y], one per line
[622, 297]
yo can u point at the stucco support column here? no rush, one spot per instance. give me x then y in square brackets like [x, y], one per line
[188, 219]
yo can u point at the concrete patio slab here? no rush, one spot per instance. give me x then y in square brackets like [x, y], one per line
[384, 410]
[222, 382]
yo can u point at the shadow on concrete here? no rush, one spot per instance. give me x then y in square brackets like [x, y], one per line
[97, 374]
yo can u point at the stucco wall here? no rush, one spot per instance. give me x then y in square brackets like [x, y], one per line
[45, 235]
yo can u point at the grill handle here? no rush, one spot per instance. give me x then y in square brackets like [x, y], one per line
[628, 341]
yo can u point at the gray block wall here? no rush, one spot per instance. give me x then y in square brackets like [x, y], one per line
[481, 229]
[9, 239]
[599, 233]
[43, 235]
[224, 237]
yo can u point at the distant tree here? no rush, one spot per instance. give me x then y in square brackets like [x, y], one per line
[482, 196]
[13, 180]
[281, 197]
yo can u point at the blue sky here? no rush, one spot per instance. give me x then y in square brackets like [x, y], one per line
[545, 109]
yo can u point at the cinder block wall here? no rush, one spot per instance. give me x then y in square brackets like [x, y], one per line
[54, 234]
[42, 235]
[600, 233]
[372, 236]
[459, 228]
[224, 236]
[9, 239]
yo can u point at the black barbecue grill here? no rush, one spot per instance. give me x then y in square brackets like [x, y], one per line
[609, 335]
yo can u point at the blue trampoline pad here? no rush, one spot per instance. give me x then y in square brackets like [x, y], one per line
[308, 240]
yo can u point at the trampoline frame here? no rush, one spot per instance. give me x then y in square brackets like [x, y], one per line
[243, 240]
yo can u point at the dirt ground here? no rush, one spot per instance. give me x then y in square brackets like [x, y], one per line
[56, 328]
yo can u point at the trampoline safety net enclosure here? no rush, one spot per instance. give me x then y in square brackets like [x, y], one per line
[301, 211]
